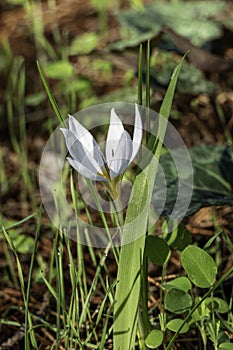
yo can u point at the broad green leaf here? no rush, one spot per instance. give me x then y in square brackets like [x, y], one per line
[157, 250]
[35, 99]
[216, 304]
[154, 339]
[175, 324]
[226, 346]
[192, 19]
[136, 28]
[84, 43]
[191, 81]
[212, 170]
[182, 283]
[59, 70]
[226, 22]
[179, 238]
[199, 265]
[177, 301]
[131, 255]
[23, 243]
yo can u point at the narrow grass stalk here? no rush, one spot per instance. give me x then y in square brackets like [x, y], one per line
[94, 282]
[98, 204]
[26, 341]
[140, 83]
[59, 302]
[12, 272]
[18, 223]
[50, 95]
[22, 286]
[147, 90]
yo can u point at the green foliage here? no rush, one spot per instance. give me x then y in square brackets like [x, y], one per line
[104, 66]
[50, 95]
[5, 56]
[84, 44]
[199, 265]
[191, 81]
[131, 257]
[201, 313]
[175, 324]
[212, 171]
[216, 304]
[182, 283]
[157, 250]
[80, 86]
[177, 301]
[154, 339]
[226, 346]
[191, 19]
[179, 237]
[59, 70]
[17, 2]
[23, 243]
[35, 99]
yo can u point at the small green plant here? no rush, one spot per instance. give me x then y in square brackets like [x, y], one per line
[179, 308]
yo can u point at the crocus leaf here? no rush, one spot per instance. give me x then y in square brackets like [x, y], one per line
[131, 255]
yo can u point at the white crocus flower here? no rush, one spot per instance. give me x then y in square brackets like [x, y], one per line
[120, 150]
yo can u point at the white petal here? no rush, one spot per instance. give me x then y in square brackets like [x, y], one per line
[115, 132]
[81, 169]
[137, 134]
[80, 153]
[121, 158]
[86, 138]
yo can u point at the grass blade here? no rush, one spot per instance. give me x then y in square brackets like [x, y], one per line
[50, 95]
[140, 76]
[26, 343]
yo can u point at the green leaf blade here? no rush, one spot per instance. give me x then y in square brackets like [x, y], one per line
[199, 265]
[131, 257]
[157, 250]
